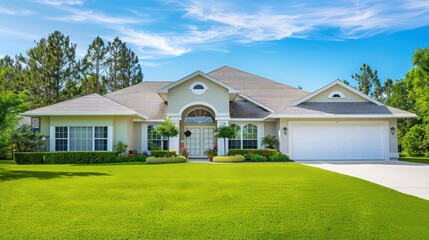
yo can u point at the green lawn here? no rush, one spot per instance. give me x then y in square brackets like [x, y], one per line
[201, 201]
[415, 159]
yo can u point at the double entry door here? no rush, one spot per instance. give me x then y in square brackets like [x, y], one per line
[201, 139]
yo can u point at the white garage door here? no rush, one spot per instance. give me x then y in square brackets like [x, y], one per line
[334, 141]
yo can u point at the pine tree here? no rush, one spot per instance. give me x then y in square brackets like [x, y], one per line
[95, 62]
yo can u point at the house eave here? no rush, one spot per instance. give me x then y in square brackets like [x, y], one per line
[40, 114]
[351, 116]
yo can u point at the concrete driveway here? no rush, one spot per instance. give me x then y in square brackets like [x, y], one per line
[405, 177]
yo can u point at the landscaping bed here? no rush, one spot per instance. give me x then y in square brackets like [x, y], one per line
[173, 159]
[229, 159]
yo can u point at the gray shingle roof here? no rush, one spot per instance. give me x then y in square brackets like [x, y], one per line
[273, 94]
[93, 104]
[142, 98]
[317, 108]
[244, 109]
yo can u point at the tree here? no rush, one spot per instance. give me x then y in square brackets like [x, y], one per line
[11, 104]
[167, 129]
[225, 132]
[366, 80]
[95, 61]
[115, 49]
[26, 140]
[270, 141]
[50, 66]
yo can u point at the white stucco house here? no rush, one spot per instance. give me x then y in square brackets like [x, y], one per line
[336, 122]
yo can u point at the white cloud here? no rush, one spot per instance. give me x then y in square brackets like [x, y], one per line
[60, 2]
[15, 12]
[91, 16]
[17, 33]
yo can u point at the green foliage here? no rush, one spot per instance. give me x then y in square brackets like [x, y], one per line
[138, 158]
[256, 158]
[366, 79]
[26, 140]
[229, 159]
[162, 153]
[11, 104]
[279, 157]
[270, 141]
[158, 160]
[265, 152]
[413, 141]
[183, 151]
[211, 152]
[94, 63]
[167, 129]
[64, 157]
[121, 148]
[224, 132]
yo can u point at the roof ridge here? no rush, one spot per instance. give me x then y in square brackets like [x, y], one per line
[242, 71]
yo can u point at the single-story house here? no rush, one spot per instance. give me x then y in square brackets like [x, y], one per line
[336, 122]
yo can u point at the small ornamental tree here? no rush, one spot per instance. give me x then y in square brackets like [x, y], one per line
[167, 129]
[225, 132]
[270, 141]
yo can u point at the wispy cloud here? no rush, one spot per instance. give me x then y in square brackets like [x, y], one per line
[15, 12]
[60, 2]
[17, 33]
[77, 15]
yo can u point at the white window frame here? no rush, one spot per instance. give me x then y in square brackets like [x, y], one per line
[109, 137]
[162, 139]
[106, 138]
[198, 91]
[242, 125]
[331, 95]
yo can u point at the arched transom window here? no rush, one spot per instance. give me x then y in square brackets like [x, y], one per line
[199, 116]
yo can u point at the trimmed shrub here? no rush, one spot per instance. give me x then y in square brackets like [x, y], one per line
[162, 153]
[280, 157]
[256, 158]
[64, 157]
[229, 159]
[157, 160]
[262, 152]
[29, 157]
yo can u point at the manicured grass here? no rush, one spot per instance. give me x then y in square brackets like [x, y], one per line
[201, 201]
[415, 159]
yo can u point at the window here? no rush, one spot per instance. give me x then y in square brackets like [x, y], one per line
[100, 139]
[61, 139]
[154, 140]
[199, 116]
[81, 138]
[336, 94]
[198, 88]
[235, 143]
[246, 137]
[250, 136]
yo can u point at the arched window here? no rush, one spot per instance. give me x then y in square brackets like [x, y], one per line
[199, 116]
[235, 143]
[250, 136]
[336, 94]
[246, 137]
[198, 88]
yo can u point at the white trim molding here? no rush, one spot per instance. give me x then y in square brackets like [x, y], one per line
[339, 93]
[198, 91]
[216, 112]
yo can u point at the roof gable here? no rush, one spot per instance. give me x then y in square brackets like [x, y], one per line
[191, 76]
[352, 95]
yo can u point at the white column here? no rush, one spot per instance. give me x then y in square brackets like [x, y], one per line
[174, 142]
[220, 141]
[144, 137]
[52, 139]
[261, 133]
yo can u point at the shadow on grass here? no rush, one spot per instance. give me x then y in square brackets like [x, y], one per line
[6, 175]
[112, 164]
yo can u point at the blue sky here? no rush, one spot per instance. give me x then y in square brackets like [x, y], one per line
[307, 43]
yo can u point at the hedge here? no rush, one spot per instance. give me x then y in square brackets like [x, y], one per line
[262, 152]
[162, 153]
[280, 157]
[64, 157]
[256, 158]
[157, 160]
[230, 159]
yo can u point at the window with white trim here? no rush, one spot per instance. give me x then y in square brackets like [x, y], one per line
[61, 139]
[198, 88]
[154, 140]
[246, 137]
[100, 139]
[336, 94]
[85, 138]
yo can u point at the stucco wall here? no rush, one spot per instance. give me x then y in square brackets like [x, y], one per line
[137, 136]
[393, 139]
[45, 122]
[81, 121]
[350, 96]
[181, 95]
[123, 131]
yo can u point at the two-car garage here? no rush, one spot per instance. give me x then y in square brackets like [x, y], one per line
[338, 140]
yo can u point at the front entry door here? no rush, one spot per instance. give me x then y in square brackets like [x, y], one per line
[200, 140]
